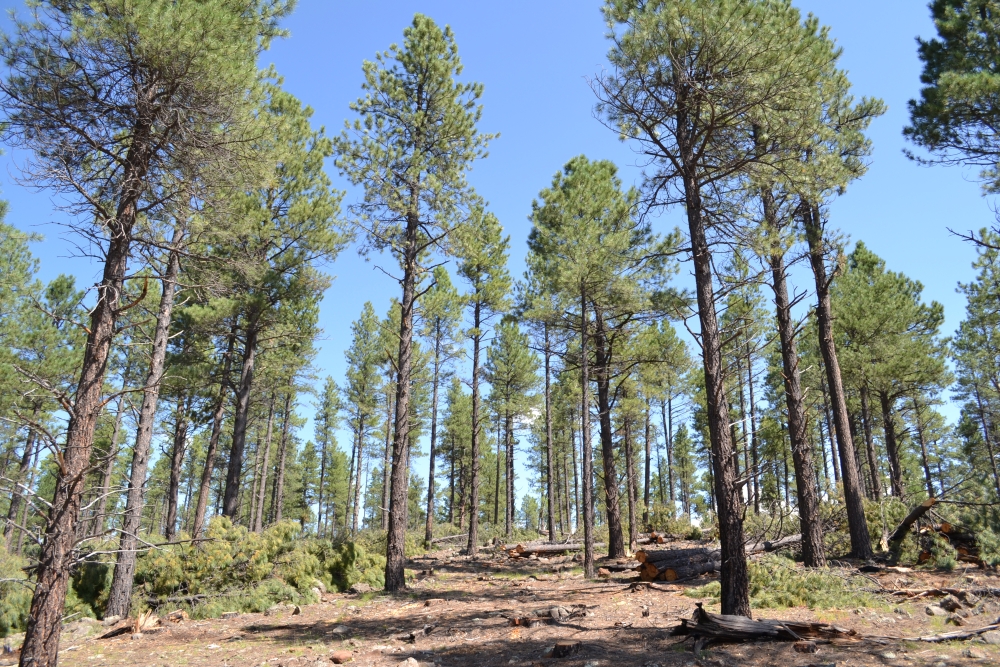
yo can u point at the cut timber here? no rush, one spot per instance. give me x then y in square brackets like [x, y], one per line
[682, 572]
[741, 628]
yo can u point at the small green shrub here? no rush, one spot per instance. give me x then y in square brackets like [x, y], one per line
[776, 583]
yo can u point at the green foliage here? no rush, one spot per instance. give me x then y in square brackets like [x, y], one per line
[15, 593]
[776, 583]
[350, 563]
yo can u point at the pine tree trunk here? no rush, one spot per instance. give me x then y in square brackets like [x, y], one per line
[891, 446]
[279, 485]
[829, 432]
[231, 496]
[176, 465]
[20, 488]
[733, 575]
[395, 556]
[630, 483]
[509, 460]
[873, 468]
[813, 554]
[389, 409]
[602, 371]
[551, 492]
[204, 487]
[472, 547]
[753, 434]
[357, 486]
[429, 527]
[987, 440]
[120, 595]
[849, 469]
[585, 449]
[667, 414]
[320, 528]
[576, 477]
[924, 459]
[496, 480]
[649, 454]
[258, 524]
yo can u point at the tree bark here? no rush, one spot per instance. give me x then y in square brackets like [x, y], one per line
[231, 496]
[585, 449]
[472, 547]
[924, 458]
[509, 460]
[987, 440]
[873, 468]
[602, 373]
[258, 524]
[849, 469]
[386, 483]
[813, 554]
[649, 455]
[829, 432]
[176, 465]
[551, 493]
[630, 483]
[357, 474]
[395, 556]
[279, 484]
[120, 595]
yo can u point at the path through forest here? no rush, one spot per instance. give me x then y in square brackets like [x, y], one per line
[494, 611]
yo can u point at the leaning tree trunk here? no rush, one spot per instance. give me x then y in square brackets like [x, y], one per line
[120, 595]
[802, 455]
[891, 446]
[550, 492]
[234, 474]
[616, 537]
[472, 547]
[429, 527]
[279, 483]
[395, 556]
[861, 546]
[213, 440]
[588, 465]
[176, 464]
[733, 575]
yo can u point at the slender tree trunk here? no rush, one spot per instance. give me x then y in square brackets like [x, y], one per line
[585, 449]
[120, 595]
[829, 432]
[320, 526]
[32, 474]
[647, 442]
[753, 434]
[987, 439]
[213, 440]
[395, 556]
[667, 414]
[733, 575]
[176, 465]
[472, 547]
[891, 446]
[850, 471]
[279, 485]
[924, 458]
[813, 554]
[357, 485]
[576, 477]
[873, 467]
[451, 483]
[258, 525]
[551, 493]
[22, 472]
[630, 483]
[509, 460]
[602, 371]
[389, 410]
[231, 497]
[429, 527]
[100, 517]
[496, 488]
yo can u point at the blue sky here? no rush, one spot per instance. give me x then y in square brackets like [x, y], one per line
[534, 59]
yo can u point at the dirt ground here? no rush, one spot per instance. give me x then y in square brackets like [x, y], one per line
[460, 612]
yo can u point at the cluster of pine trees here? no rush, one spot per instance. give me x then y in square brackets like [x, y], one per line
[169, 393]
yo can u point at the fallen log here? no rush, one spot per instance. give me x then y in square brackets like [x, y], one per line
[677, 564]
[950, 636]
[547, 549]
[740, 628]
[449, 538]
[768, 546]
[897, 536]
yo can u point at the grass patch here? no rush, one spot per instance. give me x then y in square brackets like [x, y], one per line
[776, 583]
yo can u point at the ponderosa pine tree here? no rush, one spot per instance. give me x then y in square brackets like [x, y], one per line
[184, 104]
[411, 148]
[482, 249]
[690, 82]
[325, 423]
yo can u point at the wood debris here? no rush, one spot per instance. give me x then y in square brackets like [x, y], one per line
[740, 628]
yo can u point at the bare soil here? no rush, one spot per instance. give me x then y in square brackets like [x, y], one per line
[460, 611]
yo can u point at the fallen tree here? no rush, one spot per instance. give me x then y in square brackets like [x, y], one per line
[545, 549]
[678, 564]
[740, 628]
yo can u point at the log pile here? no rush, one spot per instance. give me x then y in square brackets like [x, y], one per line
[679, 564]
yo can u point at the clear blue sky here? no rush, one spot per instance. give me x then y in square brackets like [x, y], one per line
[534, 59]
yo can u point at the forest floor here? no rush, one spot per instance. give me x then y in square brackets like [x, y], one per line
[459, 612]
